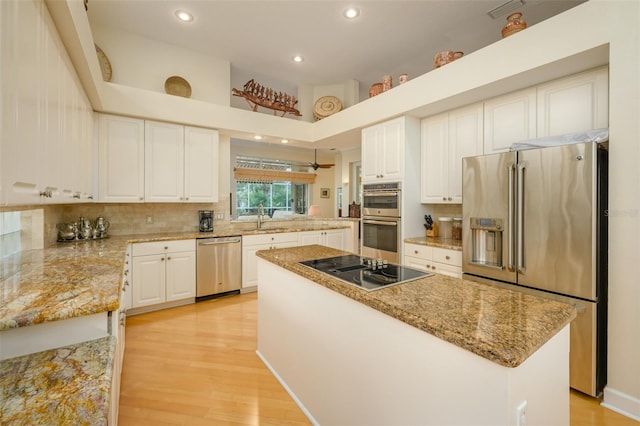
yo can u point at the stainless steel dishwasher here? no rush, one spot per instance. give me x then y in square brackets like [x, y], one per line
[218, 266]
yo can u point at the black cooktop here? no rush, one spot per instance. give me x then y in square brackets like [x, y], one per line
[368, 274]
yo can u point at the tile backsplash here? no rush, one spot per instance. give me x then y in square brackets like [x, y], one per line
[33, 227]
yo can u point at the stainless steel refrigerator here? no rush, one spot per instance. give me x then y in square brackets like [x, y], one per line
[537, 219]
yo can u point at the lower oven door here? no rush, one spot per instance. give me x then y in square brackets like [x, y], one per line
[381, 239]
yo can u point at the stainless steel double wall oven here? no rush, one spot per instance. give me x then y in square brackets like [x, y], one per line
[381, 221]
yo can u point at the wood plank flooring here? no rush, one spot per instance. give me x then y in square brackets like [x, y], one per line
[196, 365]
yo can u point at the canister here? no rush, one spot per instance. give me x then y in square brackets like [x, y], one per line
[446, 225]
[456, 230]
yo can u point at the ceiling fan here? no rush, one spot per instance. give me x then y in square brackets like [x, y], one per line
[315, 164]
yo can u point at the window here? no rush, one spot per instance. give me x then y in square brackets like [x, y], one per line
[279, 198]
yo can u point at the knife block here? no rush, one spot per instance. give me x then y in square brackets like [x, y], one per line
[433, 232]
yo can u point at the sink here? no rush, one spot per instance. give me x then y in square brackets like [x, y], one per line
[269, 228]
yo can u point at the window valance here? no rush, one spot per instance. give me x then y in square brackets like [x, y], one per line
[259, 175]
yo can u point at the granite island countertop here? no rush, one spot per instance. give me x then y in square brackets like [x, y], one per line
[501, 325]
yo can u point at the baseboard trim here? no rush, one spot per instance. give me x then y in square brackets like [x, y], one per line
[622, 403]
[289, 391]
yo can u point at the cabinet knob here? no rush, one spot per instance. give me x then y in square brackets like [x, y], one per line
[162, 259]
[126, 283]
[415, 251]
[169, 258]
[90, 197]
[141, 198]
[166, 247]
[449, 198]
[444, 198]
[126, 272]
[186, 198]
[447, 257]
[433, 267]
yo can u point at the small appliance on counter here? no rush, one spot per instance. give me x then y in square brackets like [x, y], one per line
[206, 220]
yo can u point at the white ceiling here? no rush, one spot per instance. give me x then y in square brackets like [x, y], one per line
[389, 37]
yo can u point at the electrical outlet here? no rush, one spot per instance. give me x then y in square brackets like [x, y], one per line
[149, 219]
[521, 414]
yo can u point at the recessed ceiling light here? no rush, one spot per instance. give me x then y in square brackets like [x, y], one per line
[257, 137]
[184, 16]
[297, 59]
[285, 141]
[351, 13]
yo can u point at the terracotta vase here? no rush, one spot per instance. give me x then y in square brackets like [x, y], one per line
[514, 24]
[443, 58]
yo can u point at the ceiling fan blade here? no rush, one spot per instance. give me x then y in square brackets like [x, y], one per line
[325, 166]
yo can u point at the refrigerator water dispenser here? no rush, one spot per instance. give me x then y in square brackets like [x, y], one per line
[486, 236]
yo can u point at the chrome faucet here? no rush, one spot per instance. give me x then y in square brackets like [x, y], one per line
[260, 214]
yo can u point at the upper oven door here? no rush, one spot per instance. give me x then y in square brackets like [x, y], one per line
[381, 203]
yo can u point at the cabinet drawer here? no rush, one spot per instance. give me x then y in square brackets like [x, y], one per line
[418, 250]
[282, 237]
[417, 263]
[446, 269]
[449, 257]
[159, 247]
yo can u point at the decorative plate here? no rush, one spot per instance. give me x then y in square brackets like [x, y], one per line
[326, 106]
[178, 86]
[105, 65]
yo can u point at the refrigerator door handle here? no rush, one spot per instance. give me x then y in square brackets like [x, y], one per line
[520, 219]
[510, 218]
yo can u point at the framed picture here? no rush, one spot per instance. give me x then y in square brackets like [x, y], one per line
[324, 192]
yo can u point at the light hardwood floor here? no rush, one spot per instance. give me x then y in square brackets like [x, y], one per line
[196, 365]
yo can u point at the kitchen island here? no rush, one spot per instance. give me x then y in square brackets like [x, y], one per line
[437, 350]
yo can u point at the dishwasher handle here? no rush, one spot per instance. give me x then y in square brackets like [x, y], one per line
[216, 241]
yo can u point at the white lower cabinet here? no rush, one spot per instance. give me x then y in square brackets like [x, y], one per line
[433, 259]
[334, 238]
[253, 243]
[163, 272]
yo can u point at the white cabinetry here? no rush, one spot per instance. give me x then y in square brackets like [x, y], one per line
[508, 119]
[253, 243]
[163, 162]
[433, 259]
[446, 139]
[334, 238]
[46, 117]
[156, 162]
[387, 150]
[574, 104]
[181, 163]
[163, 272]
[121, 158]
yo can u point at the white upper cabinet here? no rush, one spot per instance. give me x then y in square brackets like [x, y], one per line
[181, 163]
[385, 148]
[121, 158]
[446, 139]
[156, 162]
[163, 162]
[44, 111]
[201, 164]
[508, 119]
[574, 104]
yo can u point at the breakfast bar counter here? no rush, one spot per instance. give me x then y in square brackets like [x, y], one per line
[435, 350]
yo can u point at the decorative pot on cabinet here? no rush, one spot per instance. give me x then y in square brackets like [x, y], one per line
[514, 24]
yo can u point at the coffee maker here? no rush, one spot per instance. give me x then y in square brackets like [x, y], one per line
[206, 220]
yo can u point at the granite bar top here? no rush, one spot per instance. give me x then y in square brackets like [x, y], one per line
[72, 279]
[503, 326]
[68, 385]
[447, 243]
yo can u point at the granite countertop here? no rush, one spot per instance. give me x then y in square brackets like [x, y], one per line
[72, 279]
[68, 385]
[446, 243]
[503, 326]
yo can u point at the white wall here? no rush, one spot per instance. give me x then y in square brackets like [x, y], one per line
[144, 63]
